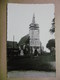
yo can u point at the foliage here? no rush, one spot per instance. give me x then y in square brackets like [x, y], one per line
[52, 30]
[50, 44]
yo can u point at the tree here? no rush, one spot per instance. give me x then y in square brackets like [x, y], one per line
[52, 30]
[51, 44]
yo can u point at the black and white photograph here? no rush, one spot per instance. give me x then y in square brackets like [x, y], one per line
[31, 40]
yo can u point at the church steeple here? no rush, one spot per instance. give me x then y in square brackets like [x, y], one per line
[33, 20]
[34, 40]
[33, 25]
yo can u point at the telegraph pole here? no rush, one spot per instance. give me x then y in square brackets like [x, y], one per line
[13, 41]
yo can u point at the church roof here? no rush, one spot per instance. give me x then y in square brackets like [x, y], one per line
[33, 24]
[33, 20]
[24, 39]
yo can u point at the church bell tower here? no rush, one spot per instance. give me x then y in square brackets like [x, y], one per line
[34, 34]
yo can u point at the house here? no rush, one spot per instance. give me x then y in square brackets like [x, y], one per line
[12, 48]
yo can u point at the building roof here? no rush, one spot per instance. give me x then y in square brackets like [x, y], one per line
[12, 44]
[24, 40]
[33, 24]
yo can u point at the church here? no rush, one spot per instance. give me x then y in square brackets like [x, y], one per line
[34, 40]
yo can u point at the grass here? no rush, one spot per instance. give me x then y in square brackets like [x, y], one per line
[40, 63]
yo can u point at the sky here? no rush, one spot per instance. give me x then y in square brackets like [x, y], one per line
[19, 17]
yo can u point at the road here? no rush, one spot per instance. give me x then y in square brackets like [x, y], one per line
[34, 74]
